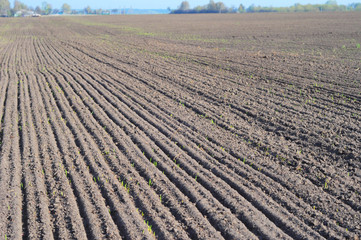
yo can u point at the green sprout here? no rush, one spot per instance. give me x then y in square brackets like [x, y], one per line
[326, 183]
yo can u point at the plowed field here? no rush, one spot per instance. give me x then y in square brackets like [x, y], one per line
[181, 127]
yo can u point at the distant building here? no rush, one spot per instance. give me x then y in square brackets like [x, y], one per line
[24, 13]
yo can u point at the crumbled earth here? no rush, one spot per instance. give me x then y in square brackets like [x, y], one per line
[235, 126]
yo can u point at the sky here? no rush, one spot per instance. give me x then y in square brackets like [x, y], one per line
[163, 4]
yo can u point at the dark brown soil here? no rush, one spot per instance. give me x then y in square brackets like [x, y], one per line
[243, 126]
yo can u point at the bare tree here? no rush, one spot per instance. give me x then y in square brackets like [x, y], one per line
[38, 10]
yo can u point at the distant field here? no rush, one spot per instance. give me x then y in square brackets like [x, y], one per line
[239, 126]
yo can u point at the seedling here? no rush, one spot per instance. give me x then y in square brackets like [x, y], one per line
[326, 183]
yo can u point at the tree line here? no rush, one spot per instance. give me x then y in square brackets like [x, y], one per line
[220, 7]
[211, 7]
[21, 9]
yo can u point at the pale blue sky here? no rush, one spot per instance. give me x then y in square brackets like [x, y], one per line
[163, 4]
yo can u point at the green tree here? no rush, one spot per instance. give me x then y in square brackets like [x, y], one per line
[221, 7]
[358, 7]
[46, 8]
[4, 7]
[198, 8]
[98, 11]
[298, 8]
[66, 8]
[19, 6]
[88, 10]
[355, 6]
[184, 6]
[232, 9]
[212, 7]
[251, 8]
[241, 8]
[329, 7]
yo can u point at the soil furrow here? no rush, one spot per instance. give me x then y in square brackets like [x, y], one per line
[159, 117]
[141, 128]
[10, 159]
[83, 146]
[68, 148]
[99, 139]
[352, 205]
[54, 171]
[157, 127]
